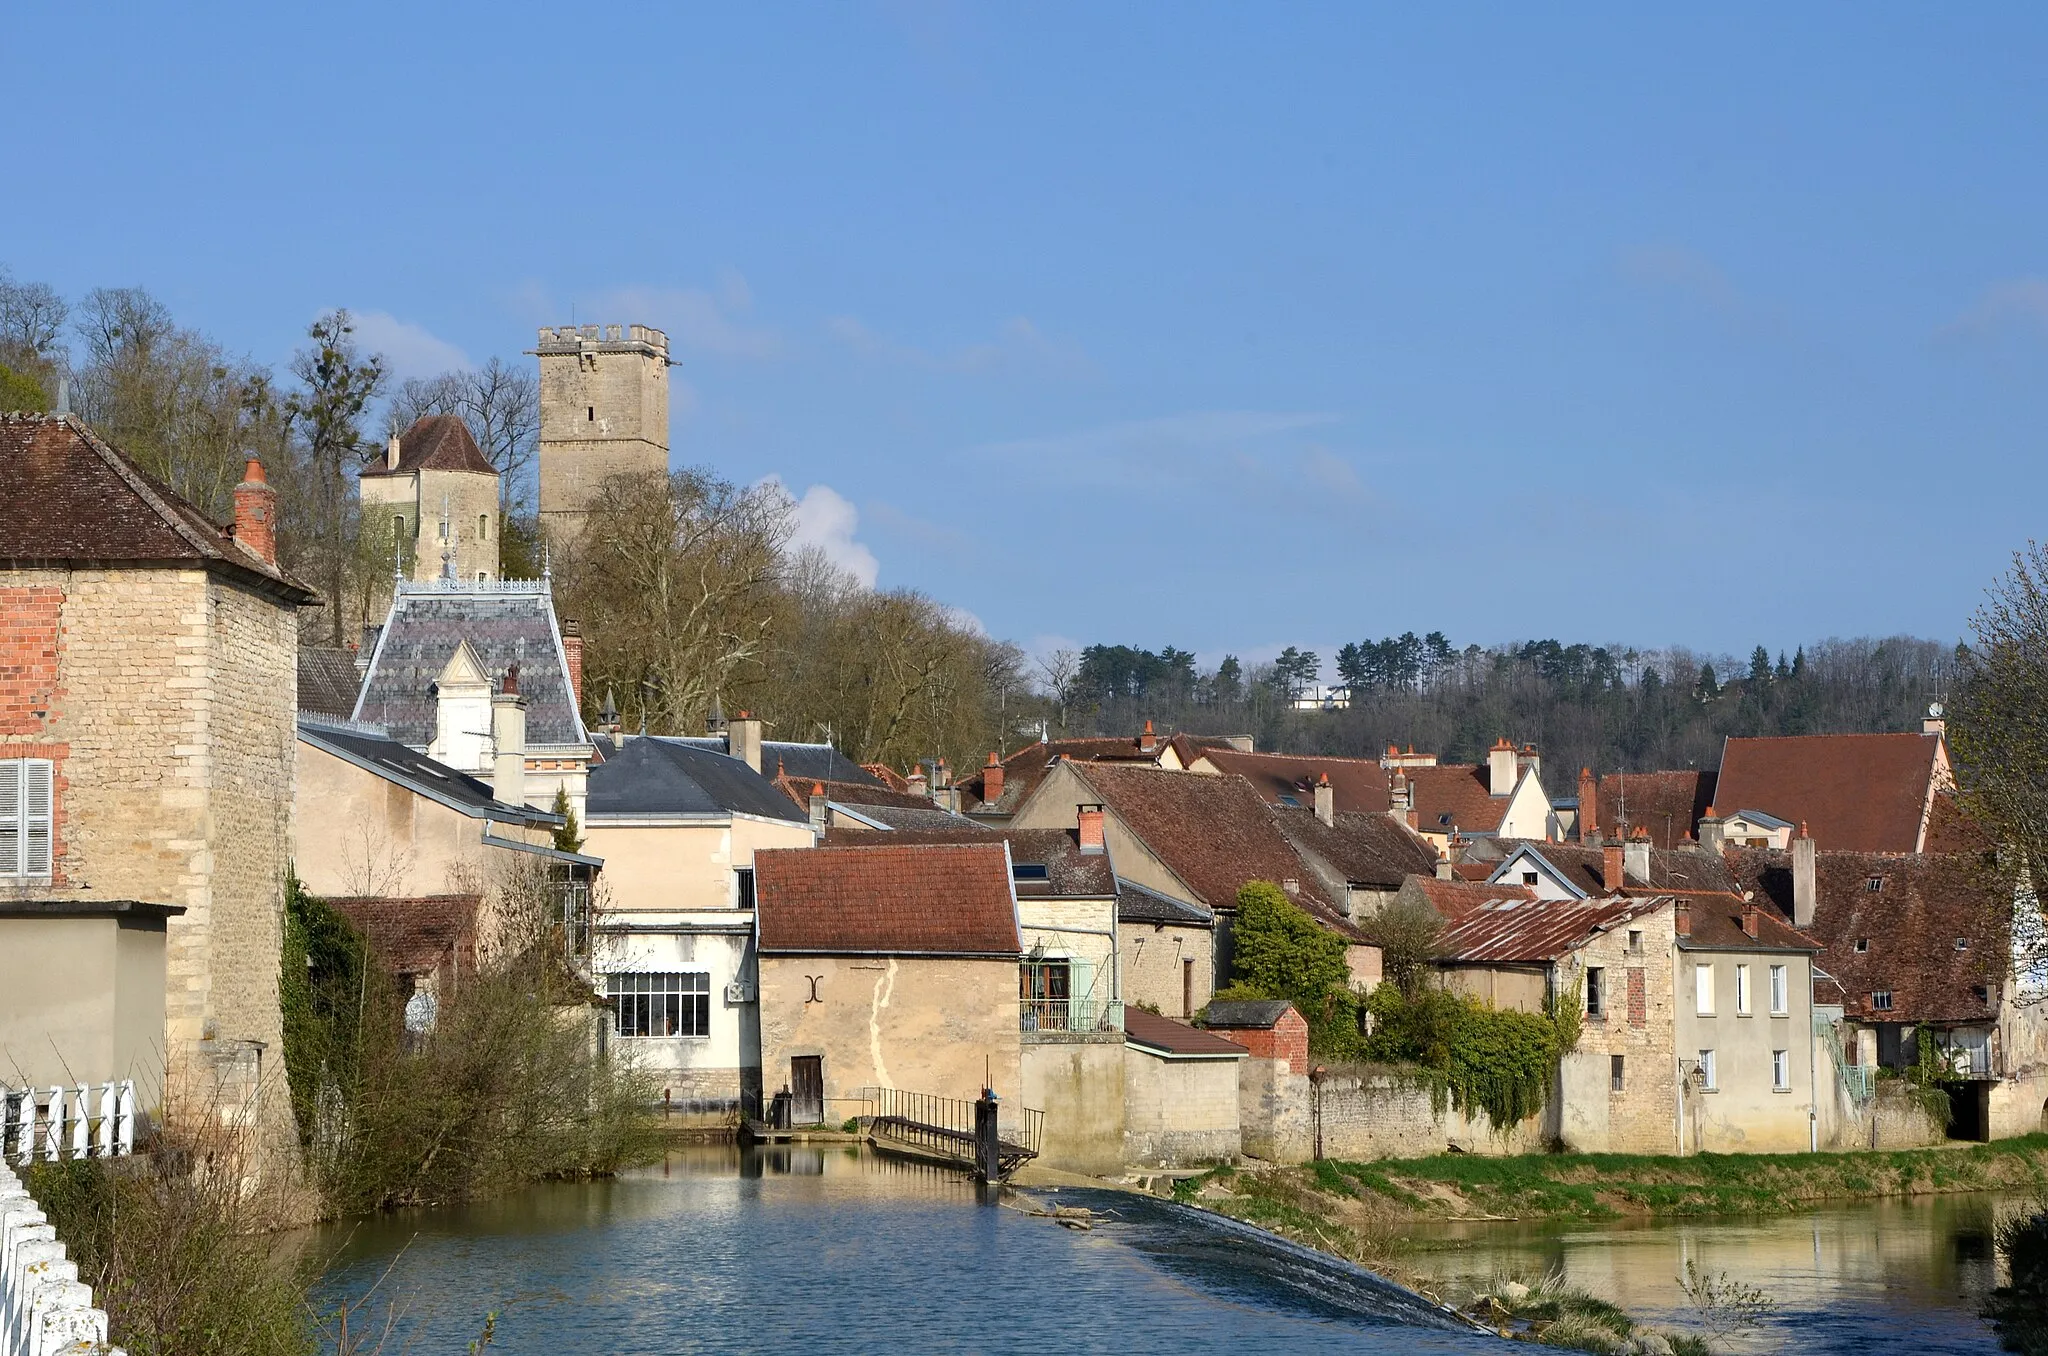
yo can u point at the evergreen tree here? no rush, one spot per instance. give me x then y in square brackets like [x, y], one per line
[569, 836]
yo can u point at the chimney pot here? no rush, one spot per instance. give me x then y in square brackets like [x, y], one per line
[1088, 822]
[1613, 873]
[256, 514]
[1681, 919]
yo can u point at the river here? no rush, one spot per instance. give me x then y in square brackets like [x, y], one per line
[839, 1250]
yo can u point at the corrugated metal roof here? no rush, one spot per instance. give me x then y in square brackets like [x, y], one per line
[1534, 930]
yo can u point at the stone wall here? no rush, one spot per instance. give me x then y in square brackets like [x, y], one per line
[603, 412]
[1155, 960]
[1180, 1112]
[1635, 1026]
[1363, 1116]
[1077, 1080]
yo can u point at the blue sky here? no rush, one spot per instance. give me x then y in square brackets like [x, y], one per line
[1228, 327]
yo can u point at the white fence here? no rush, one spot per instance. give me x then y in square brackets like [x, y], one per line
[45, 1310]
[84, 1121]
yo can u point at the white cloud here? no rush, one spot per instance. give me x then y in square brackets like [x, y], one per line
[714, 321]
[1018, 345]
[825, 519]
[2016, 303]
[408, 350]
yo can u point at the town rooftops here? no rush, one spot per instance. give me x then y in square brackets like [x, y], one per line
[1668, 804]
[804, 762]
[380, 755]
[328, 682]
[1582, 867]
[1533, 931]
[1454, 899]
[800, 788]
[504, 623]
[918, 899]
[435, 442]
[1137, 903]
[1044, 863]
[1455, 795]
[1358, 785]
[1716, 920]
[1259, 1014]
[650, 776]
[1363, 848]
[1024, 769]
[1163, 1036]
[1854, 793]
[71, 497]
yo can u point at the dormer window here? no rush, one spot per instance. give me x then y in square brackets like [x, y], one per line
[1962, 943]
[1863, 944]
[1029, 871]
[1528, 878]
[1874, 884]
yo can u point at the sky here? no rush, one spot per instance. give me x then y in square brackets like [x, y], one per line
[1224, 327]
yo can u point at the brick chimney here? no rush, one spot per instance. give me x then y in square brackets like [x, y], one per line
[1681, 919]
[1148, 742]
[1805, 888]
[572, 651]
[1326, 801]
[992, 779]
[256, 514]
[508, 741]
[1589, 806]
[1750, 914]
[1612, 868]
[1089, 824]
[1500, 768]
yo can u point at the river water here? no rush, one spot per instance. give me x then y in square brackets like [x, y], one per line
[838, 1250]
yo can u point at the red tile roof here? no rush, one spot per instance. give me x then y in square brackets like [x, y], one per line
[435, 442]
[1854, 793]
[1150, 1031]
[1455, 795]
[1910, 926]
[1717, 923]
[1668, 804]
[798, 789]
[913, 900]
[1585, 867]
[1214, 833]
[1454, 899]
[1531, 931]
[1358, 784]
[1069, 872]
[1024, 769]
[70, 496]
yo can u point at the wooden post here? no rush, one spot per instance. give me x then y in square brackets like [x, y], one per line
[988, 1151]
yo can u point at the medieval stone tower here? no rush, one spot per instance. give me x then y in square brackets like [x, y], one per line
[603, 412]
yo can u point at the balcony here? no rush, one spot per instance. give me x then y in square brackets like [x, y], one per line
[1074, 1015]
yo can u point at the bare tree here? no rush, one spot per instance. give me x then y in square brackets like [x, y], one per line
[500, 403]
[32, 318]
[337, 383]
[1060, 669]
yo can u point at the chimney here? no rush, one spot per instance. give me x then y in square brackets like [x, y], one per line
[1637, 858]
[391, 453]
[821, 812]
[1935, 723]
[1291, 886]
[1500, 768]
[1444, 868]
[1589, 806]
[743, 740]
[1530, 761]
[942, 778]
[992, 780]
[63, 396]
[1400, 795]
[1148, 742]
[508, 741]
[1326, 801]
[1089, 823]
[916, 783]
[1749, 917]
[1681, 919]
[572, 651]
[1710, 832]
[1612, 875]
[256, 514]
[1804, 885]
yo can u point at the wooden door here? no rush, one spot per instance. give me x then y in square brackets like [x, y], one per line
[806, 1090]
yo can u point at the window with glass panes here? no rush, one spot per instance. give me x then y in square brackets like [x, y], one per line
[657, 1004]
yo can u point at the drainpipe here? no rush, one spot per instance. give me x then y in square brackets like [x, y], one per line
[1116, 979]
[1812, 1071]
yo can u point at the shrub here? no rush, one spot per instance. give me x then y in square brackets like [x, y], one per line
[2019, 1308]
[1500, 1062]
[1281, 952]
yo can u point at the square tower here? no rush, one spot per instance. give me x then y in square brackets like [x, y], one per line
[603, 412]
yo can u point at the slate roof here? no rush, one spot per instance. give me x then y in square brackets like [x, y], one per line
[1363, 848]
[435, 442]
[328, 681]
[896, 818]
[1455, 794]
[1162, 1035]
[395, 762]
[1261, 1014]
[1668, 804]
[1585, 866]
[1137, 903]
[70, 496]
[415, 936]
[1454, 899]
[807, 762]
[918, 899]
[1214, 833]
[1532, 931]
[1910, 924]
[651, 775]
[504, 626]
[1854, 793]
[1357, 784]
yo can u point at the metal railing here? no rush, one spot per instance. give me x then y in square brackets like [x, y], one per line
[1068, 1014]
[945, 1125]
[84, 1121]
[1858, 1081]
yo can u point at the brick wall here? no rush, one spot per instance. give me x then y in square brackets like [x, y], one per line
[1286, 1041]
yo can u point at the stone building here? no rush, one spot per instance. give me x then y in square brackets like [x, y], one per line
[603, 413]
[147, 659]
[431, 502]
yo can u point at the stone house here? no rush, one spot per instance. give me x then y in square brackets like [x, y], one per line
[996, 791]
[1500, 798]
[603, 413]
[1180, 1093]
[1361, 858]
[146, 728]
[679, 825]
[431, 503]
[890, 967]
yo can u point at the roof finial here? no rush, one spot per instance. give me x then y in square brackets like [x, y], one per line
[447, 544]
[547, 568]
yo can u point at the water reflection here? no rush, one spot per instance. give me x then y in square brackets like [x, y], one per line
[1903, 1275]
[833, 1249]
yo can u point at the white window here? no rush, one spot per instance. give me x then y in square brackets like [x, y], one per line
[1781, 1002]
[1781, 1070]
[1742, 991]
[1710, 1077]
[661, 1004]
[1703, 990]
[27, 813]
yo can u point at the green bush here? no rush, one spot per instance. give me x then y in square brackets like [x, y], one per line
[1500, 1062]
[1281, 952]
[19, 391]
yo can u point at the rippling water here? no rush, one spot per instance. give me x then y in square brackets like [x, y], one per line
[808, 1249]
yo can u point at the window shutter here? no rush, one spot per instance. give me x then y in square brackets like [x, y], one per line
[38, 791]
[10, 817]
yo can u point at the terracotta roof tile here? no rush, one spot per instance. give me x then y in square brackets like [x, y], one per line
[924, 899]
[435, 442]
[1357, 784]
[1024, 769]
[1150, 1030]
[1668, 804]
[415, 936]
[1455, 795]
[1363, 848]
[1454, 899]
[1855, 793]
[1585, 866]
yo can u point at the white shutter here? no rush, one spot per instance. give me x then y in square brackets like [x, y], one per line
[10, 817]
[38, 791]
